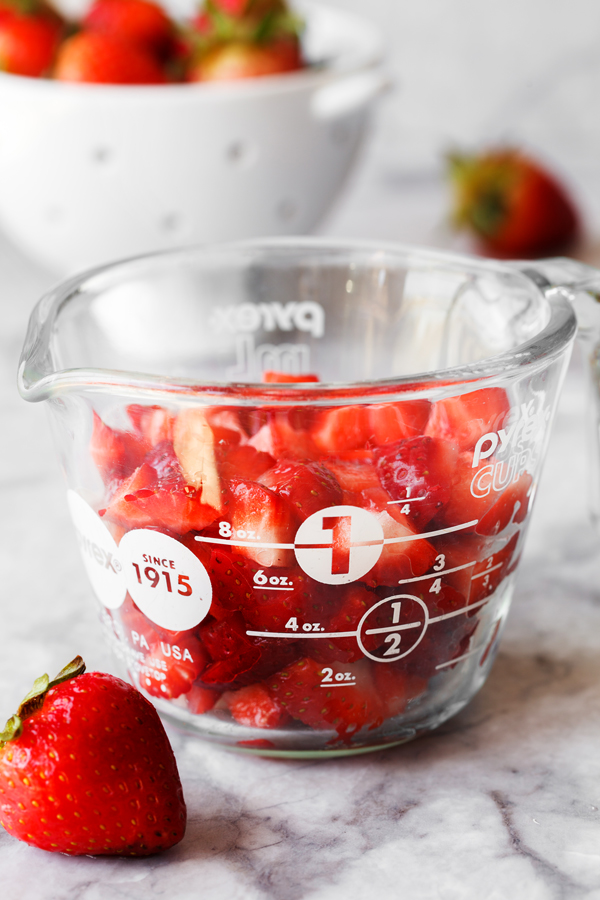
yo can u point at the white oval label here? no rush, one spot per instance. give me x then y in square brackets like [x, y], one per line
[99, 553]
[166, 581]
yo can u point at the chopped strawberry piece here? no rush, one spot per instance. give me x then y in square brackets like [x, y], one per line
[153, 423]
[307, 486]
[344, 428]
[156, 495]
[254, 706]
[279, 438]
[464, 419]
[200, 699]
[391, 422]
[115, 453]
[352, 602]
[317, 698]
[230, 650]
[354, 474]
[271, 377]
[264, 517]
[492, 570]
[418, 472]
[242, 461]
[477, 496]
[396, 687]
[174, 667]
[406, 556]
[194, 447]
[512, 505]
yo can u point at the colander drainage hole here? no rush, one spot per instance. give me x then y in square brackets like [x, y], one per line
[240, 153]
[287, 210]
[101, 155]
[170, 222]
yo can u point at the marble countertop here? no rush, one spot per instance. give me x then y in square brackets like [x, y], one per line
[502, 801]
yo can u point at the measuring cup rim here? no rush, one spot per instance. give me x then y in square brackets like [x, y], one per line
[39, 379]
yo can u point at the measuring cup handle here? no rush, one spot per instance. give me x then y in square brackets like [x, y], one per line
[580, 284]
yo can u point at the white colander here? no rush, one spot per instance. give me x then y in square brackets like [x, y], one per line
[90, 173]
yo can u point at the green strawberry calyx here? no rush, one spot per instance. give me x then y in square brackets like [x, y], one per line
[35, 698]
[482, 185]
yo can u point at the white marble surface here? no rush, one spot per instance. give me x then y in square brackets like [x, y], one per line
[502, 802]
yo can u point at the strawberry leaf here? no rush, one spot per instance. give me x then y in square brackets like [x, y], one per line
[12, 730]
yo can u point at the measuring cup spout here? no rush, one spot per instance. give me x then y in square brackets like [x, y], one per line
[580, 284]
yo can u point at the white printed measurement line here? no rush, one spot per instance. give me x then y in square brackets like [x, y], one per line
[272, 546]
[440, 573]
[329, 684]
[487, 571]
[460, 612]
[407, 500]
[304, 634]
[457, 659]
[394, 628]
[237, 543]
[429, 534]
[266, 587]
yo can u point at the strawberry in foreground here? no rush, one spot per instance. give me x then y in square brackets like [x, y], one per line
[511, 204]
[86, 768]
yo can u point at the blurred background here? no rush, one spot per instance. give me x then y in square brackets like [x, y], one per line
[467, 75]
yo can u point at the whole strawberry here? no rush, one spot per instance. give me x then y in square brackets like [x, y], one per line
[30, 33]
[94, 56]
[511, 204]
[86, 768]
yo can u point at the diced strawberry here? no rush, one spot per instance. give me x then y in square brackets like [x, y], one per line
[280, 439]
[406, 556]
[157, 495]
[200, 699]
[260, 515]
[354, 474]
[176, 666]
[304, 602]
[231, 575]
[307, 486]
[473, 497]
[418, 472]
[271, 377]
[512, 505]
[115, 453]
[254, 706]
[391, 422]
[396, 687]
[235, 461]
[225, 423]
[466, 418]
[230, 650]
[194, 447]
[153, 423]
[492, 570]
[344, 428]
[314, 695]
[353, 602]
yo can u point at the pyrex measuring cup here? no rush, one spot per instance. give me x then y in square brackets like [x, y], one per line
[289, 565]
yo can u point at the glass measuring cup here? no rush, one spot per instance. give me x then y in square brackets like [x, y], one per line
[288, 565]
